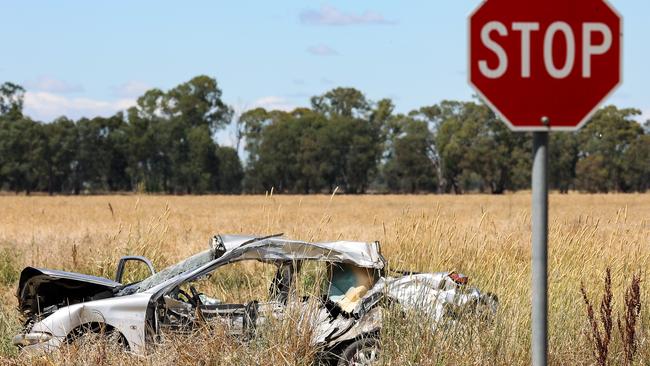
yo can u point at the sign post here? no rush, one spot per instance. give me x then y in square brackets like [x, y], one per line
[540, 249]
[543, 66]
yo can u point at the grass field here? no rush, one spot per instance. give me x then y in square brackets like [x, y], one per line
[485, 237]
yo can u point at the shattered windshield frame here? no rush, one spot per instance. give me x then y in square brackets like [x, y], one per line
[189, 264]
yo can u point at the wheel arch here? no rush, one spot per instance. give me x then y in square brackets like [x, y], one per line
[96, 327]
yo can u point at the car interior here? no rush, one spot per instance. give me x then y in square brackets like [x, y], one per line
[241, 294]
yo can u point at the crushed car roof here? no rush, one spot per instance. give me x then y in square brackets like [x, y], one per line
[276, 248]
[233, 248]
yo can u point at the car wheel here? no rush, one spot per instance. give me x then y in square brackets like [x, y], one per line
[364, 351]
[95, 332]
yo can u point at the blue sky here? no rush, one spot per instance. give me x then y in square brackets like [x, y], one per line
[82, 58]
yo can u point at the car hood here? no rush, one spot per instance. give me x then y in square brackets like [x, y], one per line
[41, 288]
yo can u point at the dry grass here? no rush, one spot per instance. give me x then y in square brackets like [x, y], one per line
[485, 237]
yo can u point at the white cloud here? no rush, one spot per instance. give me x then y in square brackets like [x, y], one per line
[131, 89]
[645, 115]
[45, 106]
[52, 85]
[274, 103]
[322, 50]
[329, 15]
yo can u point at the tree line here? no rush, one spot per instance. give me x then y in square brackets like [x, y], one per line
[166, 143]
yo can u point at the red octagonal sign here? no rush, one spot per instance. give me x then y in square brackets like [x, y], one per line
[557, 59]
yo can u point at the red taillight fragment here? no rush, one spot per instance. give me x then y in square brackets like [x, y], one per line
[459, 278]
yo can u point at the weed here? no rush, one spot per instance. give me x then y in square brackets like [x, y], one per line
[631, 317]
[601, 333]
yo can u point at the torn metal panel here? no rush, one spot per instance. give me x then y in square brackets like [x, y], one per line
[40, 289]
[432, 294]
[370, 323]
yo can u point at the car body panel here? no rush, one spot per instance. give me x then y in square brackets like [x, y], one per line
[124, 314]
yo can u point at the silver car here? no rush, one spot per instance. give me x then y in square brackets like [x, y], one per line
[60, 307]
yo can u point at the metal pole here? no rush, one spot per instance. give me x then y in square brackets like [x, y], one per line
[540, 252]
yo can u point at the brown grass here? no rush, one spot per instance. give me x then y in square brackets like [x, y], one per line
[485, 237]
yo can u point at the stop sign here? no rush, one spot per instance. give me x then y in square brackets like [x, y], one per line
[557, 59]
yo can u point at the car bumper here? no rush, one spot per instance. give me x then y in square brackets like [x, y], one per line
[34, 341]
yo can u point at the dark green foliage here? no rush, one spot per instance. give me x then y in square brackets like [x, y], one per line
[636, 170]
[172, 132]
[22, 148]
[307, 151]
[148, 160]
[231, 172]
[346, 102]
[11, 100]
[475, 150]
[166, 143]
[60, 156]
[284, 153]
[410, 167]
[563, 154]
[605, 144]
[100, 161]
[197, 103]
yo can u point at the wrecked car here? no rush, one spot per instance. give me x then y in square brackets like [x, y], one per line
[59, 307]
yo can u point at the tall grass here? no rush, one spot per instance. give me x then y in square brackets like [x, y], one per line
[9, 270]
[484, 237]
[9, 325]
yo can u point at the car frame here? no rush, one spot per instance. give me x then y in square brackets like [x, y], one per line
[61, 306]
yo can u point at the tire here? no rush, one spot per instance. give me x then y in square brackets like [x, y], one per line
[95, 331]
[364, 351]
